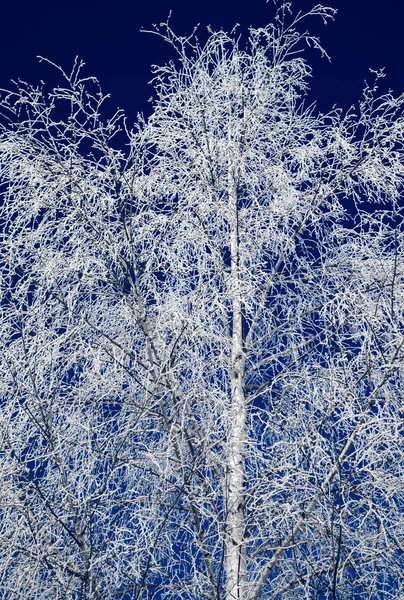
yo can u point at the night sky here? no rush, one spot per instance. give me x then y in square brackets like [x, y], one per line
[106, 36]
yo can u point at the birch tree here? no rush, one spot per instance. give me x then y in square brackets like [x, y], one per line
[202, 333]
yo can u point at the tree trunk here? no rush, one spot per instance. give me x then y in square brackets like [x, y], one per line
[236, 567]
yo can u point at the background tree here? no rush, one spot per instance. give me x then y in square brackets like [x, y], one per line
[202, 335]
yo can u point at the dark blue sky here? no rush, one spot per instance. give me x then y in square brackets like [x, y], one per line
[106, 36]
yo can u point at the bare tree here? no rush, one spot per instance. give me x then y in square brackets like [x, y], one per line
[202, 334]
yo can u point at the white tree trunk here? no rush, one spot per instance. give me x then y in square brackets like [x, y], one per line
[236, 567]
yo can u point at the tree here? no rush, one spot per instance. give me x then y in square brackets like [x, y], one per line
[202, 334]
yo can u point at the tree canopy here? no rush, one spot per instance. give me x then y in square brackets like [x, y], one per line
[202, 333]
